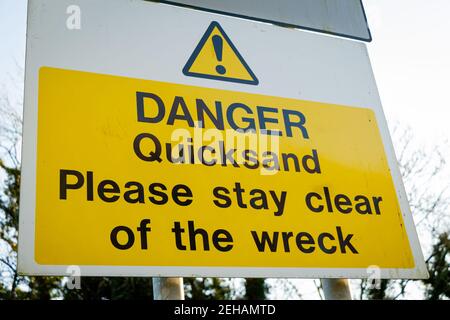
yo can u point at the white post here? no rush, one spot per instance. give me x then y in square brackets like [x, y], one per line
[336, 289]
[168, 288]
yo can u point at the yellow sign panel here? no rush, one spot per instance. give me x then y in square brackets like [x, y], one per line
[142, 173]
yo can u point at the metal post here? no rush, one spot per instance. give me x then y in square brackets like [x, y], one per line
[168, 288]
[336, 289]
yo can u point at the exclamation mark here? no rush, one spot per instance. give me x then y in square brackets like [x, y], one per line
[218, 48]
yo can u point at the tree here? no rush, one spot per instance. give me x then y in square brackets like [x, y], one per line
[255, 289]
[438, 285]
[111, 288]
[37, 287]
[207, 289]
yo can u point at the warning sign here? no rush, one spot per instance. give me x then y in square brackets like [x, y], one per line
[215, 57]
[145, 182]
[138, 163]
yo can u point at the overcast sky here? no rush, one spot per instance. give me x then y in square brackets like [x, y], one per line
[410, 55]
[12, 37]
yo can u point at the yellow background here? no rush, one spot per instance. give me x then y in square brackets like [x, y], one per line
[87, 122]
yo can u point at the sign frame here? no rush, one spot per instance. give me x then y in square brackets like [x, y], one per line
[278, 22]
[360, 71]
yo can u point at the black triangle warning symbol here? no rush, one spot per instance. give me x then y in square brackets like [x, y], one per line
[215, 57]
